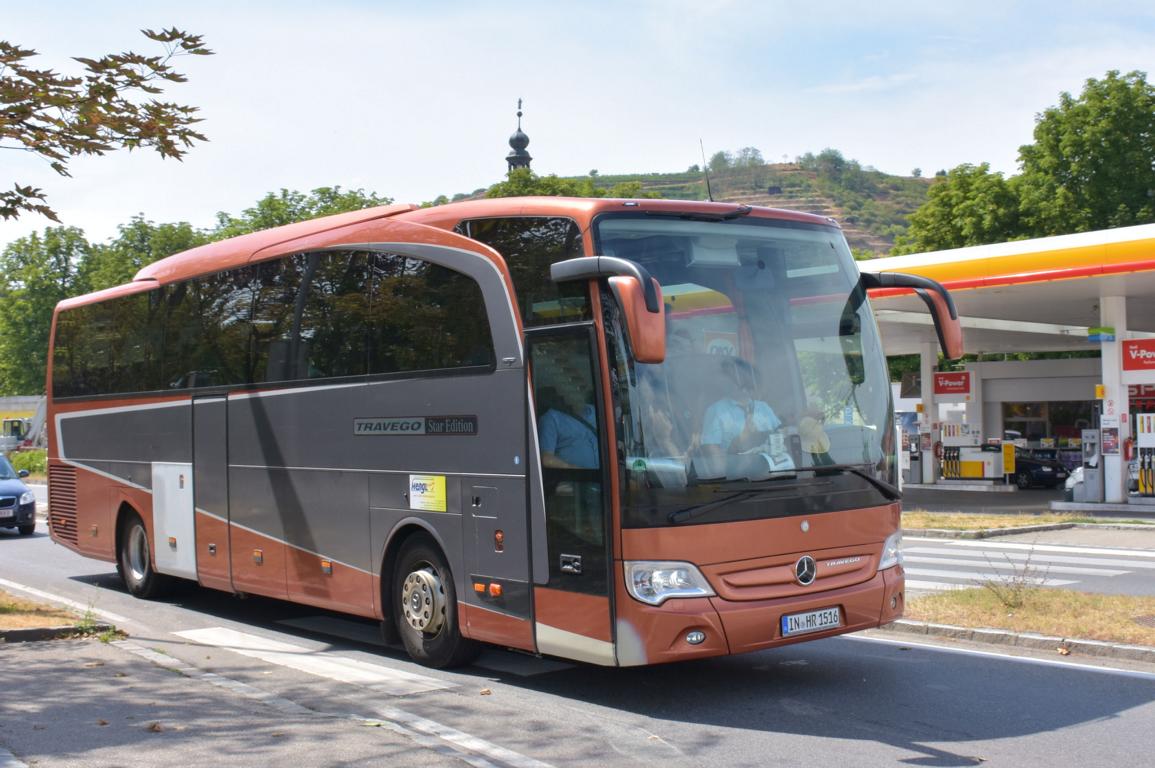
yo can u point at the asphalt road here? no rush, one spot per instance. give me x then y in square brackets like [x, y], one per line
[265, 682]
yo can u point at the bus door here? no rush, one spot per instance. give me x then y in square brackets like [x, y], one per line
[211, 490]
[572, 593]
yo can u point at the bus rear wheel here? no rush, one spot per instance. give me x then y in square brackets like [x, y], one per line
[425, 607]
[134, 561]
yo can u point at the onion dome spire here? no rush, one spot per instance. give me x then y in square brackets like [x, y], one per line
[518, 157]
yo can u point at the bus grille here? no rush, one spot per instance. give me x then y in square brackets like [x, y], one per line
[62, 502]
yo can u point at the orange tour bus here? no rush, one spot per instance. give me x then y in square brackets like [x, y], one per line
[623, 432]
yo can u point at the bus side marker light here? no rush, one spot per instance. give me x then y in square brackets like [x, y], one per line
[479, 588]
[172, 542]
[495, 590]
[696, 637]
[95, 531]
[258, 556]
[499, 541]
[327, 567]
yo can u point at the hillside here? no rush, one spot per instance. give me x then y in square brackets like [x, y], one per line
[872, 207]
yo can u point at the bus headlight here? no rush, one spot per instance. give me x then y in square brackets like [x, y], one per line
[655, 581]
[891, 551]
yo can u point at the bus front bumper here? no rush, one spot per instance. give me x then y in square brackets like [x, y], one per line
[701, 627]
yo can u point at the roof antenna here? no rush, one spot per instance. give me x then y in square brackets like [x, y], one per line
[705, 171]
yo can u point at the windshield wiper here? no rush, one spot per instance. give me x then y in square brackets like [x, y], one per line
[890, 491]
[772, 483]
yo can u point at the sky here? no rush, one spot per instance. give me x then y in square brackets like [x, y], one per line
[412, 100]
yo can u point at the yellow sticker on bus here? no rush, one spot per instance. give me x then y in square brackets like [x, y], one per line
[427, 492]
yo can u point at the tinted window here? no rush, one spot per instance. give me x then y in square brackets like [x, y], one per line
[530, 244]
[424, 317]
[307, 316]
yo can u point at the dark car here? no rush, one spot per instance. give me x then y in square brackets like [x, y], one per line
[1038, 468]
[17, 503]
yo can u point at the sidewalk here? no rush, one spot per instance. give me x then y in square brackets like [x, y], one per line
[84, 703]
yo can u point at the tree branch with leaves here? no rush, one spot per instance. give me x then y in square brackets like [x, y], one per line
[58, 117]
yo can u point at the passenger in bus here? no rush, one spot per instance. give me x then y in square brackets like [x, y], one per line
[738, 422]
[566, 433]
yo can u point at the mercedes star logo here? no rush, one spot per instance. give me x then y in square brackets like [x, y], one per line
[805, 570]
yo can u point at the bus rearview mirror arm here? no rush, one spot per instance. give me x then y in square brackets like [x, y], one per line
[638, 295]
[937, 299]
[592, 267]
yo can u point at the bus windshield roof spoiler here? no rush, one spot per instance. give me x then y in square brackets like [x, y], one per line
[591, 267]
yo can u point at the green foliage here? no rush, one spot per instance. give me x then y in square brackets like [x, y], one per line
[35, 273]
[58, 117]
[969, 206]
[523, 182]
[1092, 165]
[289, 206]
[138, 244]
[38, 271]
[34, 461]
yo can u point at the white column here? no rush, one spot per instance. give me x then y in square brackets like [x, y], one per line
[928, 359]
[1113, 312]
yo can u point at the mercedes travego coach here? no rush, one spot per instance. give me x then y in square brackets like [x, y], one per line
[618, 431]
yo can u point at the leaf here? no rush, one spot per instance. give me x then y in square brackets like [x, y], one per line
[1063, 650]
[154, 728]
[486, 692]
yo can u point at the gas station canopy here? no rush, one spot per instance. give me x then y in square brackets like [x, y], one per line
[1037, 295]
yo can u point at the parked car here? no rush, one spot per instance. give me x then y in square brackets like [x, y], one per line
[17, 503]
[1038, 468]
[1076, 478]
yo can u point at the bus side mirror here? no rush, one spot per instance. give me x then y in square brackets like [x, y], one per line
[638, 295]
[937, 300]
[646, 329]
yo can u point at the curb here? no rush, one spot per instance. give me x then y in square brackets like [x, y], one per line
[988, 533]
[1030, 640]
[36, 634]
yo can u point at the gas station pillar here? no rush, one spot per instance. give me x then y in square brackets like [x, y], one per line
[1115, 421]
[928, 421]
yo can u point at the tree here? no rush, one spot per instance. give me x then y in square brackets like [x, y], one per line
[289, 206]
[522, 182]
[720, 161]
[1092, 165]
[35, 273]
[58, 117]
[968, 206]
[748, 157]
[138, 244]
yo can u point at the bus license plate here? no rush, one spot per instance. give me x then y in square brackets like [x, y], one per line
[811, 621]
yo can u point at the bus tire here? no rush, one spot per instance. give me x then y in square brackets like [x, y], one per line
[134, 561]
[425, 607]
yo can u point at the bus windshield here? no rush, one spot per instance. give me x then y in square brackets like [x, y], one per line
[774, 396]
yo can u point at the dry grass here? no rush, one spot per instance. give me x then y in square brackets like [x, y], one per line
[971, 522]
[1057, 612]
[17, 613]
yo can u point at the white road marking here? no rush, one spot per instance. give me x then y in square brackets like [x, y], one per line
[1003, 656]
[427, 733]
[1059, 548]
[395, 682]
[1034, 565]
[506, 662]
[8, 760]
[1033, 557]
[980, 577]
[934, 586]
[115, 618]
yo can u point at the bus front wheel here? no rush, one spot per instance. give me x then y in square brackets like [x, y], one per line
[425, 607]
[134, 561]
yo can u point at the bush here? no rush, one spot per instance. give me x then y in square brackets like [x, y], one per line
[34, 461]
